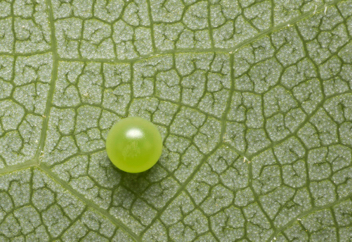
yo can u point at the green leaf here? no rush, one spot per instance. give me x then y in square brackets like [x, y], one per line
[253, 100]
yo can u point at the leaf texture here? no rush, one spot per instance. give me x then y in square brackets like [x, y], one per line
[252, 98]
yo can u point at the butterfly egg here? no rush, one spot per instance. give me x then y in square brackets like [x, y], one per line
[134, 144]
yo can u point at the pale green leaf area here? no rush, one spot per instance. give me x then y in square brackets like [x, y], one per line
[252, 97]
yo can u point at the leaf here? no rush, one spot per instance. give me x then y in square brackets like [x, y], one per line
[253, 100]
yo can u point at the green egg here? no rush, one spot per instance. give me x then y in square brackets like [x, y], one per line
[134, 144]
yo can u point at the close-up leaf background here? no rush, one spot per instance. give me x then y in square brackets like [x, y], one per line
[252, 98]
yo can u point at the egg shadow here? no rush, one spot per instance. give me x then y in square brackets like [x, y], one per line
[136, 182]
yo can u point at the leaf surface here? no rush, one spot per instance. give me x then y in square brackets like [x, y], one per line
[252, 98]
